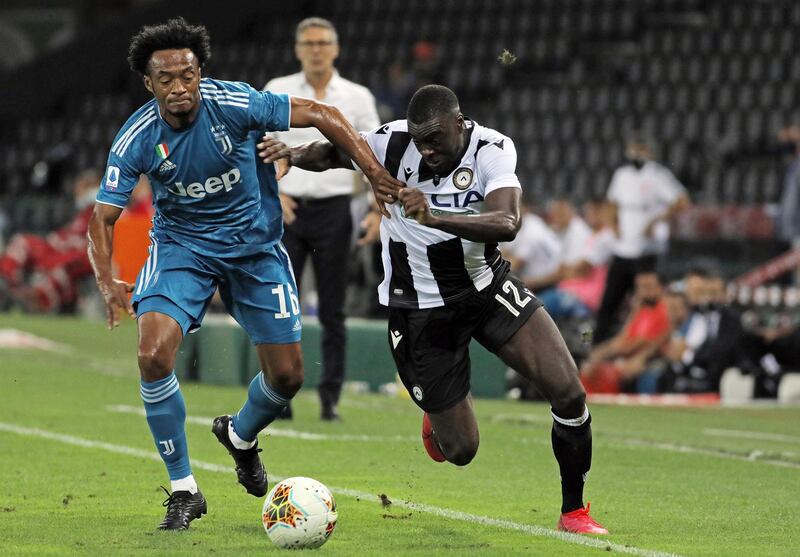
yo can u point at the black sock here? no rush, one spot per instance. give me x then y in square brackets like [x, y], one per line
[572, 446]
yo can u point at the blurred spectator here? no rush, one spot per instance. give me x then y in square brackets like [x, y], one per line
[571, 229]
[647, 195]
[789, 208]
[708, 341]
[581, 282]
[393, 98]
[768, 355]
[316, 206]
[403, 80]
[572, 233]
[534, 253]
[627, 354]
[426, 64]
[42, 273]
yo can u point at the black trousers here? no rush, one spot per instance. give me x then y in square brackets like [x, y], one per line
[323, 230]
[619, 282]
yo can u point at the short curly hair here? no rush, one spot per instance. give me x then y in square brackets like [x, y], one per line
[175, 33]
[431, 101]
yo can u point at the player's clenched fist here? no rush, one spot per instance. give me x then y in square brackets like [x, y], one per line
[386, 189]
[115, 295]
[415, 205]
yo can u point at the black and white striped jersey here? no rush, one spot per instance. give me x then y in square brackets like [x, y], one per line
[425, 267]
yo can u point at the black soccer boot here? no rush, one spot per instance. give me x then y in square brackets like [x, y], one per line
[249, 469]
[182, 508]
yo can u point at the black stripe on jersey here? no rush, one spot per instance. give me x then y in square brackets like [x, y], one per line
[424, 172]
[494, 259]
[396, 148]
[401, 286]
[483, 143]
[446, 260]
[490, 253]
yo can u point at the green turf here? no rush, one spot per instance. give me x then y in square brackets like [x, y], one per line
[736, 496]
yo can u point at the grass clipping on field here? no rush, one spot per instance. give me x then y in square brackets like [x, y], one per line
[507, 57]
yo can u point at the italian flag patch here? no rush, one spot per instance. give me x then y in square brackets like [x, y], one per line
[162, 150]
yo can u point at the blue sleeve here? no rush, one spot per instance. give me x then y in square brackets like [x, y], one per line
[121, 176]
[269, 111]
[247, 108]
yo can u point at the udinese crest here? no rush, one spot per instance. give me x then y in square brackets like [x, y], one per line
[462, 178]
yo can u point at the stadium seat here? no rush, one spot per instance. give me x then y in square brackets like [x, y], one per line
[789, 389]
[735, 387]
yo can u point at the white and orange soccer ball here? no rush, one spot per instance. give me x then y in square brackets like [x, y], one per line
[299, 513]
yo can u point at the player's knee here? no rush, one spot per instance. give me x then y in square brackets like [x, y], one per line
[459, 452]
[154, 364]
[461, 455]
[570, 402]
[288, 378]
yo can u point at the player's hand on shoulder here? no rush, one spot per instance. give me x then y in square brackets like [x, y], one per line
[415, 205]
[115, 296]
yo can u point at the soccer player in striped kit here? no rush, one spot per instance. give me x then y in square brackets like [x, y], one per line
[446, 283]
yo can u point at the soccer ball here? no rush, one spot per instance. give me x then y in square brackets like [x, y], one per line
[299, 513]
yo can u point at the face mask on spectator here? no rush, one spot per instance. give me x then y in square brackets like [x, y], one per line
[638, 162]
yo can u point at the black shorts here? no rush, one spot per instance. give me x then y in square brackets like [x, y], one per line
[431, 346]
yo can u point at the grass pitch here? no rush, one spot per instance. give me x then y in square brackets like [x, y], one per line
[79, 473]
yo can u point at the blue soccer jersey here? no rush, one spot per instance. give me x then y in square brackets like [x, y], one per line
[206, 178]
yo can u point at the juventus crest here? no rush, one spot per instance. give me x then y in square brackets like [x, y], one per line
[222, 139]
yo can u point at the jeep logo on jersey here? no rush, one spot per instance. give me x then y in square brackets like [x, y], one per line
[462, 178]
[211, 185]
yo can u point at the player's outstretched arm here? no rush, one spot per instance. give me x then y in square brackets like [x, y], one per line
[335, 127]
[316, 156]
[101, 235]
[499, 222]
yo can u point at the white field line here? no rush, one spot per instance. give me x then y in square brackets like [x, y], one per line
[613, 439]
[278, 432]
[537, 531]
[753, 456]
[758, 435]
[604, 438]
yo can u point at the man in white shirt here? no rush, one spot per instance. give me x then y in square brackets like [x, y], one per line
[535, 252]
[646, 195]
[316, 206]
[571, 229]
[572, 234]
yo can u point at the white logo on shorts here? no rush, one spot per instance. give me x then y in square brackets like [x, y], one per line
[396, 338]
[417, 392]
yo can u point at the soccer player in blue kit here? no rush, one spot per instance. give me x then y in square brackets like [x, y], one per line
[217, 224]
